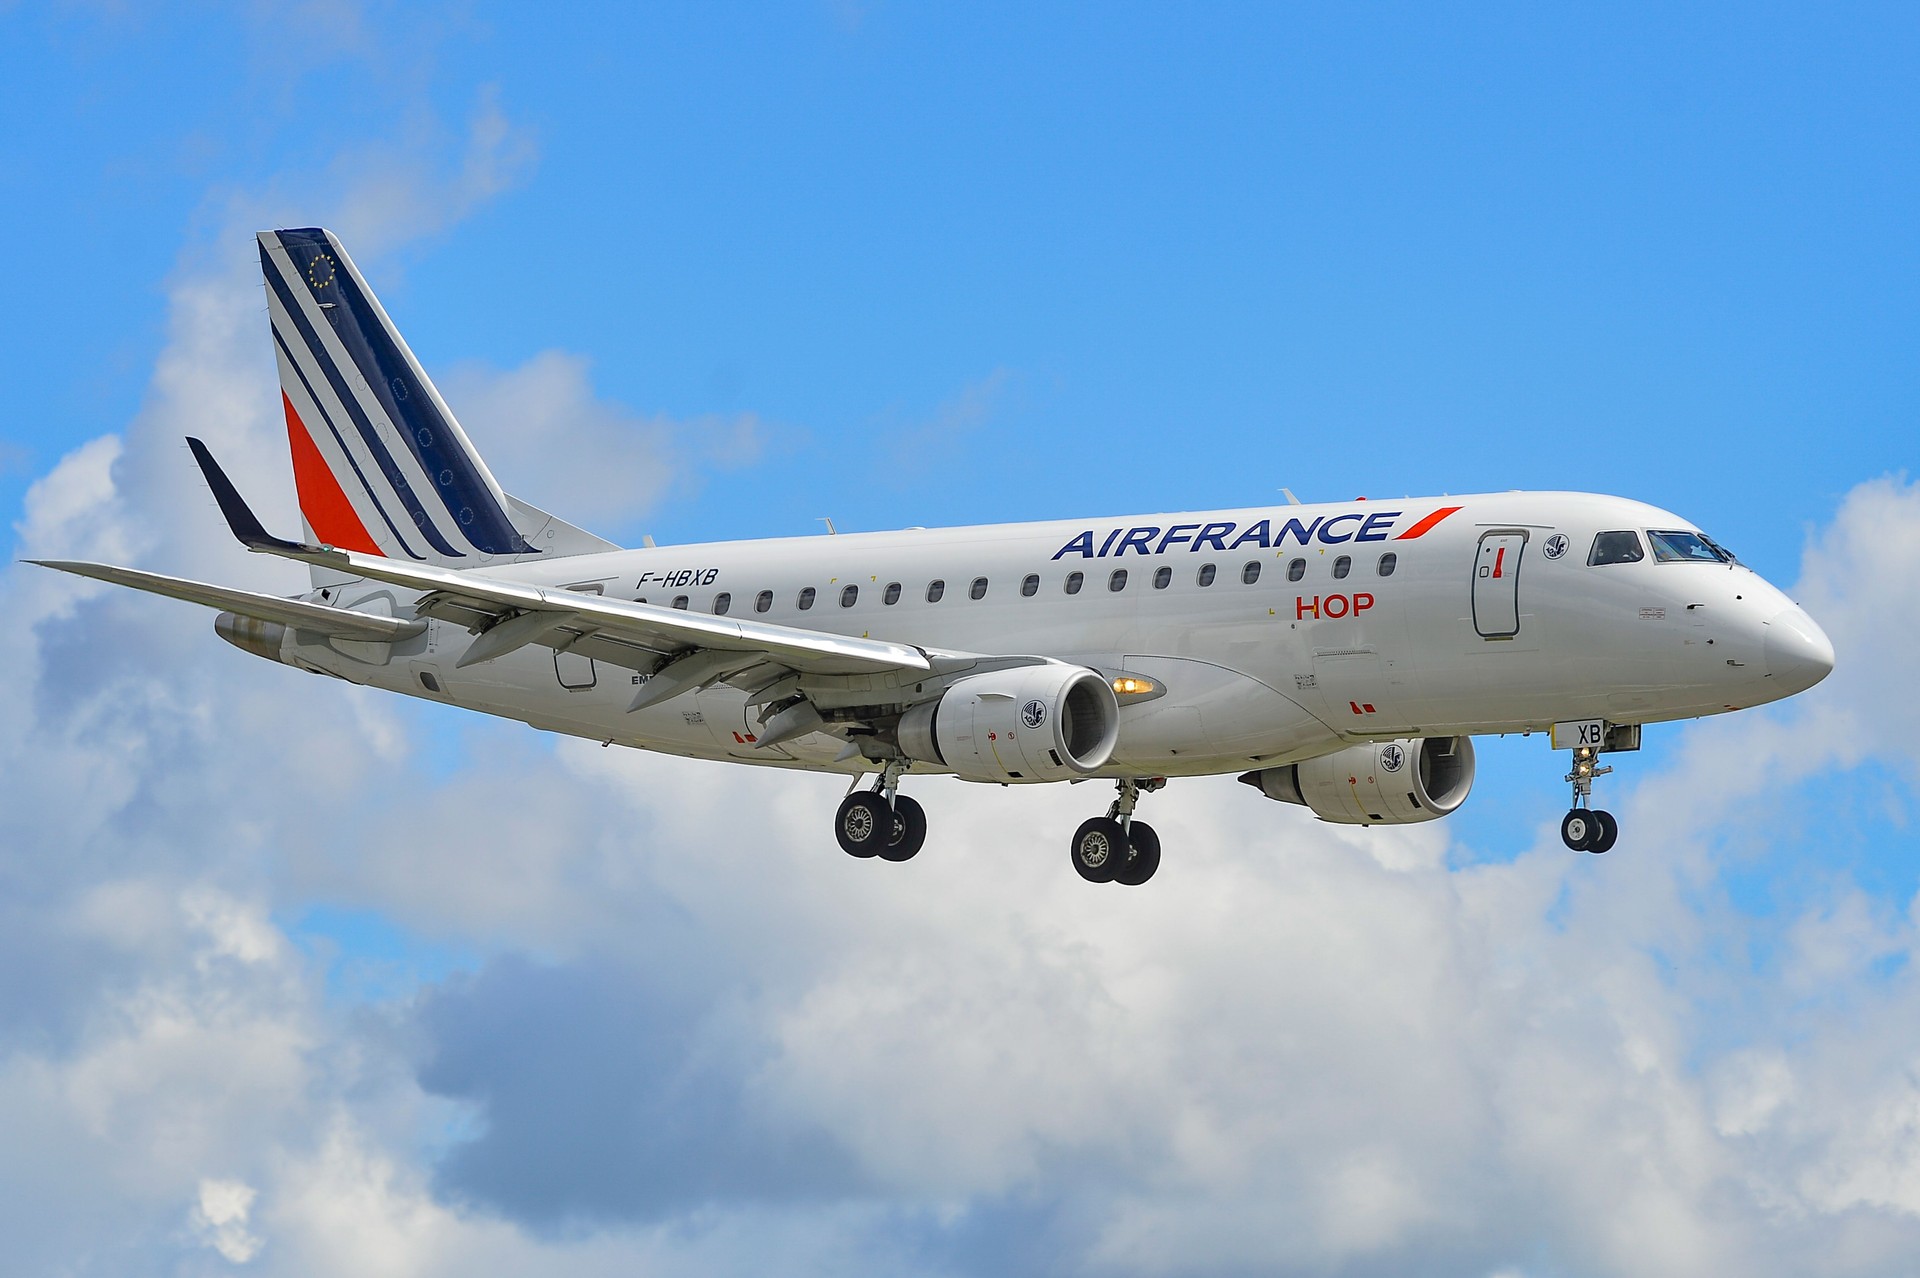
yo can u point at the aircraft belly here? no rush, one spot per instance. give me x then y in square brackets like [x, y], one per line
[735, 729]
[1210, 713]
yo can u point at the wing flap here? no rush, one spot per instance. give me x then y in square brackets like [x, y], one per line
[338, 623]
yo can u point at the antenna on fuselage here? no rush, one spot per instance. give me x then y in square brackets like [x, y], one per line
[1291, 499]
[828, 521]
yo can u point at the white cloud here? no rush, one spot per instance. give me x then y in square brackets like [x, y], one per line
[220, 1217]
[701, 1040]
[917, 446]
[390, 195]
[551, 441]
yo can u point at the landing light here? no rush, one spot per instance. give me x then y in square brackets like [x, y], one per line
[1132, 686]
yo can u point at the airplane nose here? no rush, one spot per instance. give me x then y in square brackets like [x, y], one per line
[1798, 653]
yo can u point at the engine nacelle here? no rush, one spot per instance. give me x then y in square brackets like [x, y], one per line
[250, 634]
[1048, 722]
[1382, 783]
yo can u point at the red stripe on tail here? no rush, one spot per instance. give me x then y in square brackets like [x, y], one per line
[328, 512]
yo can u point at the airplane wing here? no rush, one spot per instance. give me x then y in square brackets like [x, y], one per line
[646, 637]
[339, 623]
[563, 618]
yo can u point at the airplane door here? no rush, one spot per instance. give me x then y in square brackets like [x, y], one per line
[1496, 583]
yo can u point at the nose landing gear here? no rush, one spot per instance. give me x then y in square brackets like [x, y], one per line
[1115, 848]
[1585, 828]
[881, 821]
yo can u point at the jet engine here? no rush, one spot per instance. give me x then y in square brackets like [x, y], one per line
[250, 634]
[1049, 722]
[1381, 783]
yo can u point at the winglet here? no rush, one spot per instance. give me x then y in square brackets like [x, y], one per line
[246, 526]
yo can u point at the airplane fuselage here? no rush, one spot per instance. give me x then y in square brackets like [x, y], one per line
[1339, 656]
[1265, 635]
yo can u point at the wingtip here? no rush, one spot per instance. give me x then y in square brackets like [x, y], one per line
[246, 526]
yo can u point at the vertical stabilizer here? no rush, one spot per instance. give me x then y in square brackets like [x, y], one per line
[380, 463]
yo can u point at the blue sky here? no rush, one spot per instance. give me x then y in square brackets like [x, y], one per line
[712, 272]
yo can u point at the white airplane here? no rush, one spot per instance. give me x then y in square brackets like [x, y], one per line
[1339, 656]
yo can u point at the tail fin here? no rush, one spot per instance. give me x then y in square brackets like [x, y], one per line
[379, 462]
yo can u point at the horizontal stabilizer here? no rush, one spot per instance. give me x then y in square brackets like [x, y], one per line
[338, 623]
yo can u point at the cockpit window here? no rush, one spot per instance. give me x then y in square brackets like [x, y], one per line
[1686, 547]
[1616, 548]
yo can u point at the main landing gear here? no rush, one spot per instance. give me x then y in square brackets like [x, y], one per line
[881, 821]
[1116, 848]
[1585, 828]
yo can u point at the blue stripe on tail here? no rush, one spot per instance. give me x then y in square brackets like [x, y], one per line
[395, 385]
[326, 418]
[396, 481]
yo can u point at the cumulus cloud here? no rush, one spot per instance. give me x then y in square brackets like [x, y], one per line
[550, 440]
[220, 1217]
[389, 195]
[916, 446]
[700, 1038]
[696, 1038]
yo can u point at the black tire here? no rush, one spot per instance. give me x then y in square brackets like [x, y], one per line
[1139, 867]
[864, 824]
[1608, 832]
[909, 830]
[1099, 849]
[1579, 828]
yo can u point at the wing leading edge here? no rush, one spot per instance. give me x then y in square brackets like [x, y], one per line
[337, 623]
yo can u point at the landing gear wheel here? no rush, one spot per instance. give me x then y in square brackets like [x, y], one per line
[1139, 867]
[1579, 828]
[864, 824]
[1099, 849]
[909, 830]
[1603, 837]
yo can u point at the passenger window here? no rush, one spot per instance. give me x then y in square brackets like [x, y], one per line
[1616, 548]
[1075, 580]
[1030, 584]
[1342, 566]
[1118, 581]
[848, 596]
[978, 590]
[1205, 575]
[935, 589]
[722, 602]
[763, 601]
[806, 598]
[1296, 569]
[1388, 562]
[680, 601]
[892, 595]
[1250, 573]
[1162, 577]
